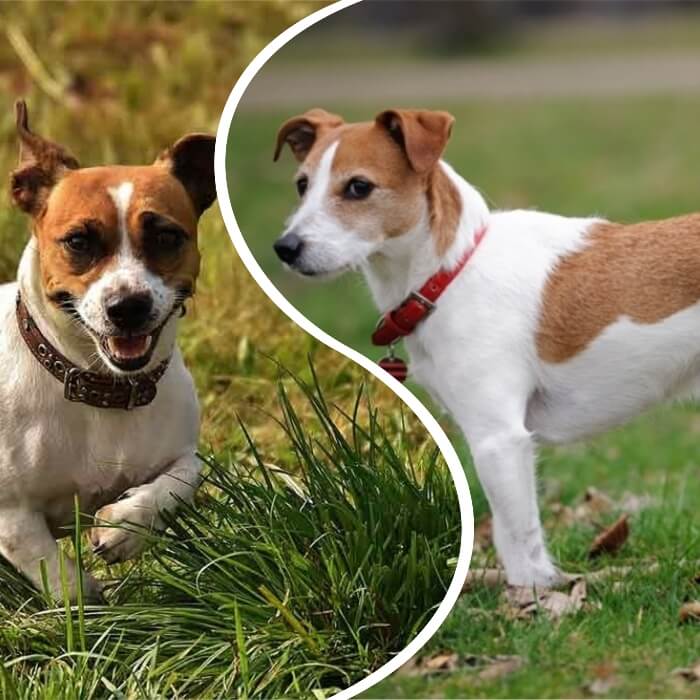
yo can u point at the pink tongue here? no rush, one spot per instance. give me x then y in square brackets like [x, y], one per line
[134, 346]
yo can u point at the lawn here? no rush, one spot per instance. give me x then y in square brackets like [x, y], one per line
[625, 159]
[272, 585]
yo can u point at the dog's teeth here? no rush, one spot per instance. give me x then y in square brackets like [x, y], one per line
[131, 347]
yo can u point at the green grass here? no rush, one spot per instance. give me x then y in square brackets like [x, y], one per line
[625, 159]
[636, 631]
[255, 591]
[271, 585]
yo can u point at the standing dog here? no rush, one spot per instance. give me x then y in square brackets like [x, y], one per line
[96, 400]
[528, 327]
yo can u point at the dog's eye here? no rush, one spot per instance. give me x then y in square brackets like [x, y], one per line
[161, 236]
[169, 239]
[302, 184]
[80, 243]
[358, 188]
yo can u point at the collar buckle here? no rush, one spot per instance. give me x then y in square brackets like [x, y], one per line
[71, 378]
[428, 305]
[131, 397]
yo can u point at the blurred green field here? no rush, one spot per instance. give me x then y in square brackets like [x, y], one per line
[623, 159]
[626, 160]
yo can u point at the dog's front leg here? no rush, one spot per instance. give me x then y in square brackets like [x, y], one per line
[25, 540]
[141, 506]
[504, 455]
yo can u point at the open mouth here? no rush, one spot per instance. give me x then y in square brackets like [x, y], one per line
[130, 353]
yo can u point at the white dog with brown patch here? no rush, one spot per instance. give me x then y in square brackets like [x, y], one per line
[95, 397]
[528, 327]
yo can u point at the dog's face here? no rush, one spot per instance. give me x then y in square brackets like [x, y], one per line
[117, 245]
[360, 184]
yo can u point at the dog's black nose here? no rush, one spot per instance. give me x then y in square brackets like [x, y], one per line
[289, 247]
[129, 312]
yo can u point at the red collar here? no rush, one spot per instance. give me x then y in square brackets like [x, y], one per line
[403, 319]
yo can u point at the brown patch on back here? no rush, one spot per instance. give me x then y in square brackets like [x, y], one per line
[647, 272]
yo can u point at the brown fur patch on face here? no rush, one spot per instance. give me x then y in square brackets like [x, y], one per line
[401, 196]
[398, 200]
[82, 198]
[646, 271]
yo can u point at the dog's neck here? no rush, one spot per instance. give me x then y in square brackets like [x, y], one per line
[405, 263]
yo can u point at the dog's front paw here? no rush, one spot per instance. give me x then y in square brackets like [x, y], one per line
[540, 575]
[118, 534]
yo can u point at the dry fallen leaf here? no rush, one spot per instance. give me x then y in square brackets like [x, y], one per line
[612, 538]
[428, 665]
[690, 674]
[596, 503]
[440, 662]
[490, 667]
[523, 603]
[604, 680]
[620, 572]
[690, 612]
[491, 578]
[634, 503]
[500, 666]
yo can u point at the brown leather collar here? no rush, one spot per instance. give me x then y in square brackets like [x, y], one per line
[99, 390]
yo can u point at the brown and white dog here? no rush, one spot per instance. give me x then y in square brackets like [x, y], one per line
[546, 329]
[96, 400]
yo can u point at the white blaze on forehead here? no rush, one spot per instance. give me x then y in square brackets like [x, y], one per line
[319, 184]
[121, 196]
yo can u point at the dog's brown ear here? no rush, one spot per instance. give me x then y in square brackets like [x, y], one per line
[191, 161]
[301, 132]
[42, 163]
[422, 134]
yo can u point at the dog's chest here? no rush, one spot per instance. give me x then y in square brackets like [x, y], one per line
[62, 450]
[52, 449]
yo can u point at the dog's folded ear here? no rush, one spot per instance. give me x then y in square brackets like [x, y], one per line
[423, 134]
[301, 132]
[42, 163]
[191, 161]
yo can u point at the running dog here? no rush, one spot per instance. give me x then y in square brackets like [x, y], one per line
[96, 401]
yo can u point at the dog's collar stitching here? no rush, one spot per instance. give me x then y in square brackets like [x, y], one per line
[403, 319]
[91, 388]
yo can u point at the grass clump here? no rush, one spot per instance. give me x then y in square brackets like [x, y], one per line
[273, 584]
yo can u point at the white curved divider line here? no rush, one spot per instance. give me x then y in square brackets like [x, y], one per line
[441, 439]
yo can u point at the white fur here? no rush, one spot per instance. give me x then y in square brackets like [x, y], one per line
[127, 275]
[330, 247]
[476, 353]
[51, 448]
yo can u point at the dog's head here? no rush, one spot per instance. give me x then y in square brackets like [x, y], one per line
[117, 245]
[362, 185]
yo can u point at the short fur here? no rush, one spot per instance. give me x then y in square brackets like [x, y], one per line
[558, 328]
[124, 466]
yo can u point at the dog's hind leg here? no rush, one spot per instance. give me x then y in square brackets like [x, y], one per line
[504, 455]
[25, 540]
